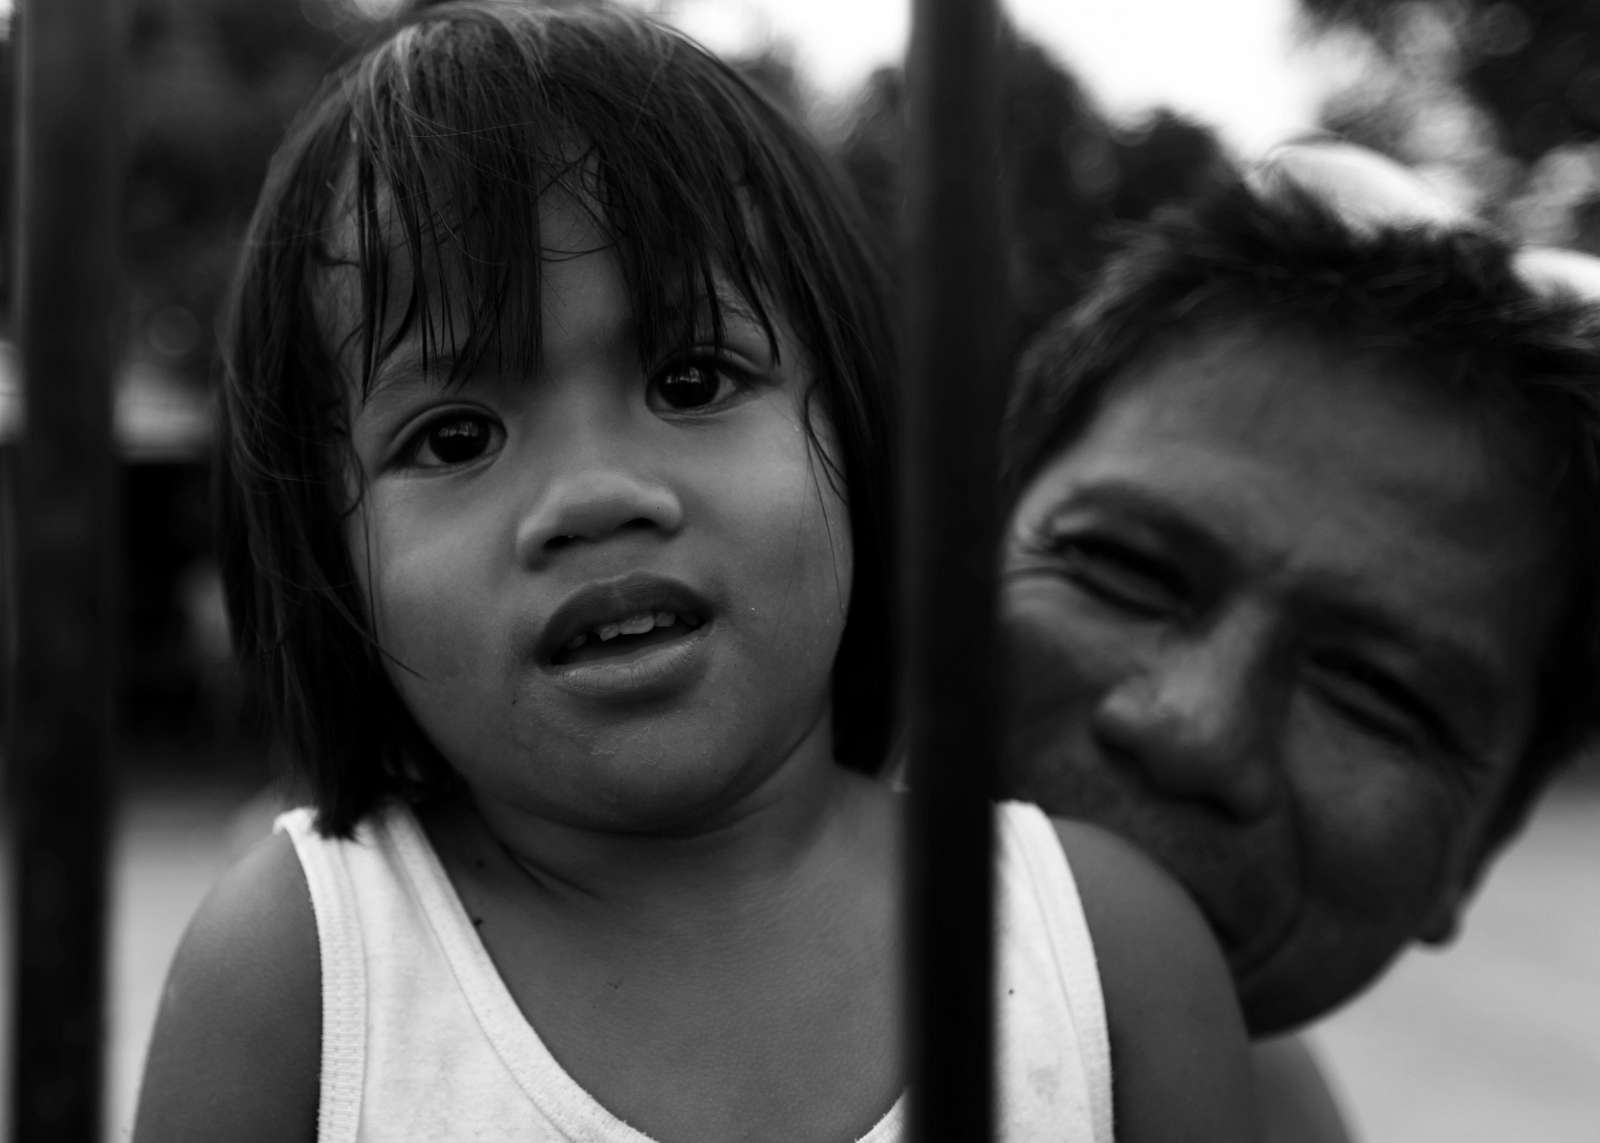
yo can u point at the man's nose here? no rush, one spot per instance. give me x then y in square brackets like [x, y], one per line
[1201, 720]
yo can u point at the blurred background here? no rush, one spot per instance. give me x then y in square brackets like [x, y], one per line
[1111, 107]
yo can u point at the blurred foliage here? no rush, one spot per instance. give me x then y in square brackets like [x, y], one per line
[1502, 97]
[1504, 93]
[1068, 174]
[1530, 64]
[209, 88]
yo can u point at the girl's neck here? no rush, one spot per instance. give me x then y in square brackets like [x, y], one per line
[767, 934]
[730, 856]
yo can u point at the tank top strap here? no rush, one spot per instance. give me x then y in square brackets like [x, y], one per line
[1032, 865]
[344, 977]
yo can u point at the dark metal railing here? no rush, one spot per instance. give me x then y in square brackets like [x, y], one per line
[65, 295]
[955, 371]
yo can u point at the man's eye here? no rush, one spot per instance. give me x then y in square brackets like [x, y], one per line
[1382, 704]
[1121, 577]
[456, 438]
[689, 385]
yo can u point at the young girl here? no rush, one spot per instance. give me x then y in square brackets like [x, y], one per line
[553, 500]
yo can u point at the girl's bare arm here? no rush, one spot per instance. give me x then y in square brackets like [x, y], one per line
[1179, 1052]
[236, 1051]
[1297, 1103]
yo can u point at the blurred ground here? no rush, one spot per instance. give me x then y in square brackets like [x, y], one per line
[172, 840]
[1498, 1038]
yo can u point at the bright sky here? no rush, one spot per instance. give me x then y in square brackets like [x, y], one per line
[1233, 65]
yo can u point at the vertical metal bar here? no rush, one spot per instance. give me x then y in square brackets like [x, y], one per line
[65, 293]
[956, 361]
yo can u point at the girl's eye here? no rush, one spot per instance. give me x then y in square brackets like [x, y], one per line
[688, 386]
[1121, 577]
[453, 439]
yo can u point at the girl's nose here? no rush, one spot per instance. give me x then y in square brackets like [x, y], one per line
[1201, 723]
[594, 502]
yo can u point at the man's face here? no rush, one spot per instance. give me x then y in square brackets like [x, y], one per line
[1274, 616]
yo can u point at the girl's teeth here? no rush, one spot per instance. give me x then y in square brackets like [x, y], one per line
[637, 624]
[641, 624]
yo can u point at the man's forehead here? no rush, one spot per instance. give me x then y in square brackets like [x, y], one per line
[1282, 359]
[1290, 424]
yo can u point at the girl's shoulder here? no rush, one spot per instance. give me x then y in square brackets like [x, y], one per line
[1298, 1103]
[1119, 881]
[1179, 1046]
[237, 1043]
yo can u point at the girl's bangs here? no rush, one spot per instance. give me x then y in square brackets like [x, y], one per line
[456, 146]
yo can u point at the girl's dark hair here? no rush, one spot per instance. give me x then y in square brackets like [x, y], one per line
[426, 158]
[1446, 304]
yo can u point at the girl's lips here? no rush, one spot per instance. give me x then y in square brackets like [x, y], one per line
[639, 672]
[627, 670]
[614, 601]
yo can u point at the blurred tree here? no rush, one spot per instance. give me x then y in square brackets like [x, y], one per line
[1531, 64]
[1509, 88]
[1164, 157]
[209, 88]
[1069, 174]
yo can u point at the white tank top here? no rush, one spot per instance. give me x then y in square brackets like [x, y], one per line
[421, 1039]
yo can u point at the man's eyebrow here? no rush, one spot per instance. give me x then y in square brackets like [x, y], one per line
[1466, 672]
[1148, 510]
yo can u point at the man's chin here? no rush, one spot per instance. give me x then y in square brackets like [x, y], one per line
[1287, 991]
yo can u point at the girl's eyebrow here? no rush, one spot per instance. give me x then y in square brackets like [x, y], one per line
[744, 322]
[396, 383]
[678, 310]
[682, 323]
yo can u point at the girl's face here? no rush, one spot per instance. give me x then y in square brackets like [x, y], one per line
[608, 595]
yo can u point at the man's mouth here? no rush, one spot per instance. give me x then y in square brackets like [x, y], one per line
[1255, 914]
